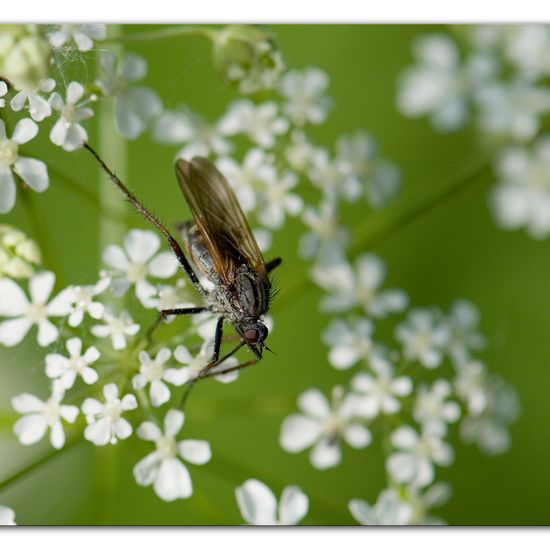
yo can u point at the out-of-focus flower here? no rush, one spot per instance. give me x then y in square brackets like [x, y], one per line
[137, 261]
[135, 106]
[522, 196]
[438, 85]
[40, 415]
[489, 430]
[66, 369]
[431, 408]
[349, 341]
[3, 92]
[380, 393]
[422, 501]
[153, 372]
[326, 235]
[192, 366]
[528, 48]
[105, 421]
[67, 132]
[469, 385]
[356, 159]
[278, 200]
[424, 337]
[24, 313]
[323, 426]
[463, 321]
[258, 504]
[357, 286]
[7, 516]
[33, 172]
[117, 328]
[414, 461]
[247, 57]
[39, 108]
[324, 173]
[197, 135]
[163, 468]
[82, 35]
[300, 152]
[18, 253]
[304, 92]
[24, 56]
[261, 123]
[389, 509]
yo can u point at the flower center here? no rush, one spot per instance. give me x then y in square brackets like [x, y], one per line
[166, 446]
[113, 410]
[36, 313]
[82, 298]
[136, 272]
[334, 427]
[8, 152]
[77, 364]
[69, 114]
[154, 371]
[51, 411]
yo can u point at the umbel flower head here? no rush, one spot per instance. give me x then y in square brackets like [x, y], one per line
[18, 253]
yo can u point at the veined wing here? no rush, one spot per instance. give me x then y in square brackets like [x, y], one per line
[219, 217]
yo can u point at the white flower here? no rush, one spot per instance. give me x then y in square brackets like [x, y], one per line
[438, 85]
[66, 369]
[194, 365]
[362, 172]
[323, 426]
[300, 152]
[170, 297]
[261, 123]
[162, 468]
[24, 313]
[463, 321]
[105, 422]
[304, 92]
[7, 516]
[389, 509]
[490, 428]
[82, 301]
[522, 196]
[528, 47]
[325, 174]
[250, 179]
[326, 234]
[135, 106]
[41, 415]
[414, 461]
[3, 92]
[258, 504]
[39, 108]
[67, 132]
[357, 286]
[424, 337]
[32, 171]
[470, 386]
[511, 110]
[153, 372]
[184, 127]
[83, 35]
[422, 501]
[380, 393]
[118, 328]
[137, 261]
[277, 200]
[431, 408]
[350, 341]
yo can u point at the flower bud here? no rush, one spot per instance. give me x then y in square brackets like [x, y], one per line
[24, 56]
[17, 253]
[247, 57]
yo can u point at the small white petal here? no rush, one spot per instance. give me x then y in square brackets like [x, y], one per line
[195, 451]
[314, 403]
[299, 432]
[173, 421]
[256, 502]
[25, 130]
[293, 506]
[30, 429]
[173, 481]
[325, 455]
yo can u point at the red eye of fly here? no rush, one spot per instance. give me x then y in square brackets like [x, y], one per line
[251, 335]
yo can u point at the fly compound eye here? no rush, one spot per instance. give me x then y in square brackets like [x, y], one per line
[251, 335]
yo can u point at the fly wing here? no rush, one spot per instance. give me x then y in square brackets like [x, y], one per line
[219, 217]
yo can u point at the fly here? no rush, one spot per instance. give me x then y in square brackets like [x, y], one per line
[221, 245]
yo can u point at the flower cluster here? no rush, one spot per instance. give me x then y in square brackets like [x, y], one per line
[499, 81]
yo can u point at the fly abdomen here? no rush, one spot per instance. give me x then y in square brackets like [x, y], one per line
[251, 292]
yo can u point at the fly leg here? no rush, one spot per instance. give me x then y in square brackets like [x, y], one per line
[163, 313]
[216, 372]
[272, 264]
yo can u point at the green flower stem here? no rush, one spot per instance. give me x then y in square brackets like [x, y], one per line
[169, 32]
[41, 234]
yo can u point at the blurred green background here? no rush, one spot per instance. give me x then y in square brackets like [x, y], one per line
[452, 250]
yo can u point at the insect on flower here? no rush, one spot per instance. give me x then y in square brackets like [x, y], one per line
[222, 247]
